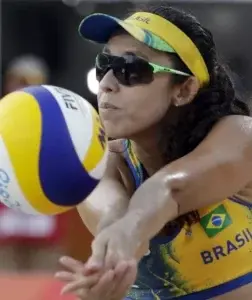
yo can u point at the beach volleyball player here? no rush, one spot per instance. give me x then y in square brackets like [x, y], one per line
[177, 193]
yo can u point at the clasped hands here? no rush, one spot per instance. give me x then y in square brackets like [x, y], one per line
[112, 268]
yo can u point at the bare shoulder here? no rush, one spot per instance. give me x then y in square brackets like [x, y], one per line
[116, 149]
[223, 160]
[117, 146]
[236, 124]
[117, 162]
[116, 152]
[233, 132]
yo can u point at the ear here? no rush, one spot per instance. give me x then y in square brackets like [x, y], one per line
[185, 93]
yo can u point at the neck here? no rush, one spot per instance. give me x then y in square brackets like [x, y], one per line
[146, 147]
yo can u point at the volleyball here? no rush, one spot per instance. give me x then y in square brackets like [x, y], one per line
[53, 150]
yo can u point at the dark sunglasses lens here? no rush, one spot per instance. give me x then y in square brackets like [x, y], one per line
[129, 69]
[138, 71]
[132, 70]
[99, 74]
[102, 65]
[120, 70]
[103, 60]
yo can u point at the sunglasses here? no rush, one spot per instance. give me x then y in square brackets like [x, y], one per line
[130, 69]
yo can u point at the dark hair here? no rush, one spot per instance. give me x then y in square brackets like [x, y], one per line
[212, 103]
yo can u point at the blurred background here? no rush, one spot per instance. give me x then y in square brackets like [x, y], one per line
[40, 44]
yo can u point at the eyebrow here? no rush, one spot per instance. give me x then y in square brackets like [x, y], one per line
[138, 53]
[134, 52]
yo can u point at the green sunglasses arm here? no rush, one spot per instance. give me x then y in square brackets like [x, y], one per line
[157, 69]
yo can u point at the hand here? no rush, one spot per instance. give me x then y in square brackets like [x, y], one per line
[117, 242]
[108, 285]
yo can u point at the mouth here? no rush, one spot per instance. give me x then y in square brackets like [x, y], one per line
[106, 105]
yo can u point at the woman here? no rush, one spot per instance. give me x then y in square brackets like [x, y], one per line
[179, 174]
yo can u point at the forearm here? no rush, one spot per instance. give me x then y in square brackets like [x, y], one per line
[112, 215]
[151, 207]
[89, 216]
[97, 216]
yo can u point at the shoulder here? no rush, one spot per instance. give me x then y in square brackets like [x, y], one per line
[238, 121]
[117, 161]
[231, 130]
[117, 146]
[116, 152]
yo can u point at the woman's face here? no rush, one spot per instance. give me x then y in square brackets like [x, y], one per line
[136, 108]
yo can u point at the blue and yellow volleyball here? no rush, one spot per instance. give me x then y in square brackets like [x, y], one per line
[53, 150]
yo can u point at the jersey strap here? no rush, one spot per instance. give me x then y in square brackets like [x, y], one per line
[134, 164]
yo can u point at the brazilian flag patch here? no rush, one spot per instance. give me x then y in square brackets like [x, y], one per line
[216, 221]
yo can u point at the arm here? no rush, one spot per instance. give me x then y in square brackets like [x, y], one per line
[219, 167]
[108, 202]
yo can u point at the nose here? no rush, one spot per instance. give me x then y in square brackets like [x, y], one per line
[109, 83]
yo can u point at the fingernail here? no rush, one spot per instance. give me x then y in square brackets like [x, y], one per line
[95, 265]
[57, 275]
[63, 259]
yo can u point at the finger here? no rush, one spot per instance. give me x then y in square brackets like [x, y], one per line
[120, 272]
[65, 276]
[115, 256]
[90, 271]
[103, 287]
[127, 280]
[84, 283]
[96, 261]
[112, 258]
[71, 264]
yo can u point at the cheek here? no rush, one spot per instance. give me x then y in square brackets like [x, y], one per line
[151, 112]
[146, 108]
[152, 102]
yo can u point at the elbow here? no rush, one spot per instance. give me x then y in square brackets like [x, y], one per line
[174, 188]
[174, 184]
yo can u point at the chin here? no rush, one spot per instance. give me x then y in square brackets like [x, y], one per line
[114, 134]
[115, 131]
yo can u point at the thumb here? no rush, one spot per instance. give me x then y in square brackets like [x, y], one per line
[97, 259]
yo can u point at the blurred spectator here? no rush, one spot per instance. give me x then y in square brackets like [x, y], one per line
[23, 71]
[28, 242]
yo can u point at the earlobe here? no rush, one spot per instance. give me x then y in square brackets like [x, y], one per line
[186, 92]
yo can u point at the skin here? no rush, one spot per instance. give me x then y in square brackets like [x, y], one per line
[122, 222]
